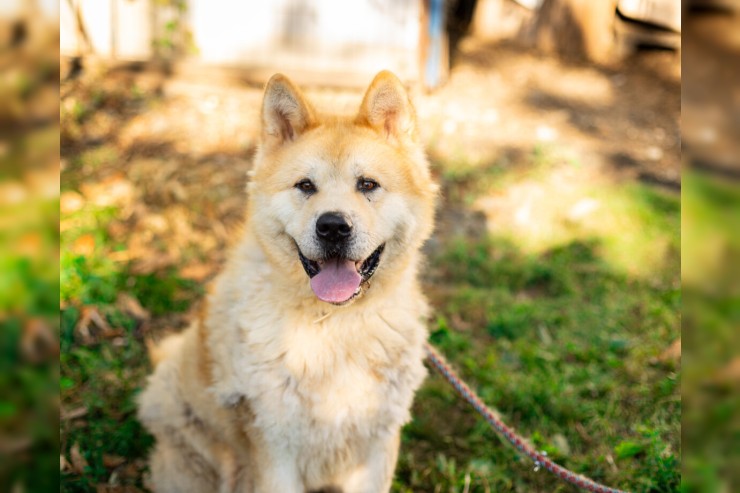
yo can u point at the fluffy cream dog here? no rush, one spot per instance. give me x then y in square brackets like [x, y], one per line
[301, 369]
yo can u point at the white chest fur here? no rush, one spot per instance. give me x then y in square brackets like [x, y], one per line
[328, 389]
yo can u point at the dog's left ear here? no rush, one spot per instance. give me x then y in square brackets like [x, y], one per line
[386, 108]
[285, 112]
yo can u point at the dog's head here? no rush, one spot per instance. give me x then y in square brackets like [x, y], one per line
[341, 201]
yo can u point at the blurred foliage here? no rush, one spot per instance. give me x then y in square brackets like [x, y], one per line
[711, 247]
[104, 361]
[712, 317]
[29, 242]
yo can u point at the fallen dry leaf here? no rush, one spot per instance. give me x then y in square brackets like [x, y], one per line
[111, 461]
[78, 461]
[92, 324]
[459, 323]
[76, 413]
[114, 190]
[196, 272]
[84, 245]
[177, 191]
[672, 353]
[119, 229]
[130, 305]
[154, 262]
[38, 341]
[14, 445]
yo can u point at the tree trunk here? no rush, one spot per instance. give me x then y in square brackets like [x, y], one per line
[581, 29]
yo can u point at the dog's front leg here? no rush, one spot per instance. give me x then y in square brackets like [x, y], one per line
[376, 474]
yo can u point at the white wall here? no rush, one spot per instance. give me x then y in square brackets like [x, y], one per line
[319, 35]
[131, 39]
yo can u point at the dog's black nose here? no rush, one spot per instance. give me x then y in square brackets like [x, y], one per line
[333, 227]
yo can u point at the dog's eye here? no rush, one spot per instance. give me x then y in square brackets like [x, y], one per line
[306, 186]
[367, 185]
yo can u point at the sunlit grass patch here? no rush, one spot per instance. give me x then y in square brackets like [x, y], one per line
[548, 197]
[641, 230]
[553, 200]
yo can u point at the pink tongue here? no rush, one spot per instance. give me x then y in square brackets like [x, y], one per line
[337, 281]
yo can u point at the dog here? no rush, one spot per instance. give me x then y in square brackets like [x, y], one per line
[301, 369]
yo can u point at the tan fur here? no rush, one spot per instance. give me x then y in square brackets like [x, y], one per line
[160, 351]
[273, 390]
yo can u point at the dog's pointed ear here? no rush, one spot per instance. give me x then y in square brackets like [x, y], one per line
[387, 109]
[285, 112]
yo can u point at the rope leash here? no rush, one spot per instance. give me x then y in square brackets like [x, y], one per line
[539, 458]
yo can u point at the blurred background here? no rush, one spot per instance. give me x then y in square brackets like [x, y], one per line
[710, 246]
[29, 245]
[554, 127]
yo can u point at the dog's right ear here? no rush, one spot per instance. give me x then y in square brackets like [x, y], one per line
[285, 113]
[386, 108]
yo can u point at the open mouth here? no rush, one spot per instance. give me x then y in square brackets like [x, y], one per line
[337, 280]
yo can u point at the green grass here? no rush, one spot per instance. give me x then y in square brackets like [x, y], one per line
[103, 375]
[563, 347]
[104, 380]
[29, 297]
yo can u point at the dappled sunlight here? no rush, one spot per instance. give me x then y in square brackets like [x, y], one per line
[29, 247]
[554, 205]
[583, 85]
[501, 97]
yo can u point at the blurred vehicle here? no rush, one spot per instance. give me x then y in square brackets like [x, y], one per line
[640, 22]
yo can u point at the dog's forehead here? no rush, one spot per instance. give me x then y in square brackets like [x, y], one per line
[341, 152]
[346, 150]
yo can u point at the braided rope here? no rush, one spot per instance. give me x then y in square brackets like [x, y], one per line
[539, 458]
